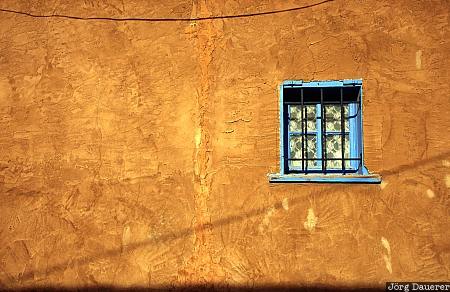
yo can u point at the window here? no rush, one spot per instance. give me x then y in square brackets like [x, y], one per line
[321, 135]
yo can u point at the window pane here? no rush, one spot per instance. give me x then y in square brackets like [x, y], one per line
[295, 115]
[296, 151]
[295, 122]
[333, 118]
[311, 115]
[333, 150]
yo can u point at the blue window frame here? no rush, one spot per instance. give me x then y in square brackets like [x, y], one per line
[321, 133]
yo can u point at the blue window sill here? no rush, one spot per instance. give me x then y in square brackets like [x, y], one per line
[329, 178]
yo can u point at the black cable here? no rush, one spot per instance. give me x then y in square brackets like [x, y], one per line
[163, 19]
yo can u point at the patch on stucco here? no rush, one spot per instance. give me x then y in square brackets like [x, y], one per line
[430, 194]
[419, 59]
[198, 141]
[5, 89]
[383, 184]
[266, 220]
[311, 220]
[198, 137]
[126, 235]
[447, 180]
[387, 257]
[285, 204]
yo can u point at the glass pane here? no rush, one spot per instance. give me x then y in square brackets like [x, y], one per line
[295, 119]
[311, 116]
[333, 118]
[296, 151]
[295, 122]
[333, 150]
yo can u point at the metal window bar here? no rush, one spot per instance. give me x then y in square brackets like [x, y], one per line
[303, 130]
[358, 100]
[306, 136]
[330, 170]
[298, 159]
[323, 133]
[284, 135]
[342, 132]
[324, 130]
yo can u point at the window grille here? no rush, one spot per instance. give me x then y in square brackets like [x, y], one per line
[321, 129]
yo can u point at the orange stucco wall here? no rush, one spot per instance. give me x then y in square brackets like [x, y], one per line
[137, 153]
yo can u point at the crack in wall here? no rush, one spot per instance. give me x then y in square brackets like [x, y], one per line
[205, 35]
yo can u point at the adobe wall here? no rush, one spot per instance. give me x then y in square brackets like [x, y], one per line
[137, 153]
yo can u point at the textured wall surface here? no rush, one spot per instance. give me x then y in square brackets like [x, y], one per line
[137, 153]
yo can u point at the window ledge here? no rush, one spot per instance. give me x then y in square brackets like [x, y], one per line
[322, 178]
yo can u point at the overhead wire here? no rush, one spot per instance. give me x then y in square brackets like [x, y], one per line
[172, 19]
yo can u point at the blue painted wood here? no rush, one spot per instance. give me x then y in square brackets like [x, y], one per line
[352, 81]
[319, 132]
[360, 179]
[361, 133]
[289, 135]
[281, 131]
[355, 136]
[324, 83]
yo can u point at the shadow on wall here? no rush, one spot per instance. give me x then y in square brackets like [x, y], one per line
[405, 167]
[221, 222]
[208, 288]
